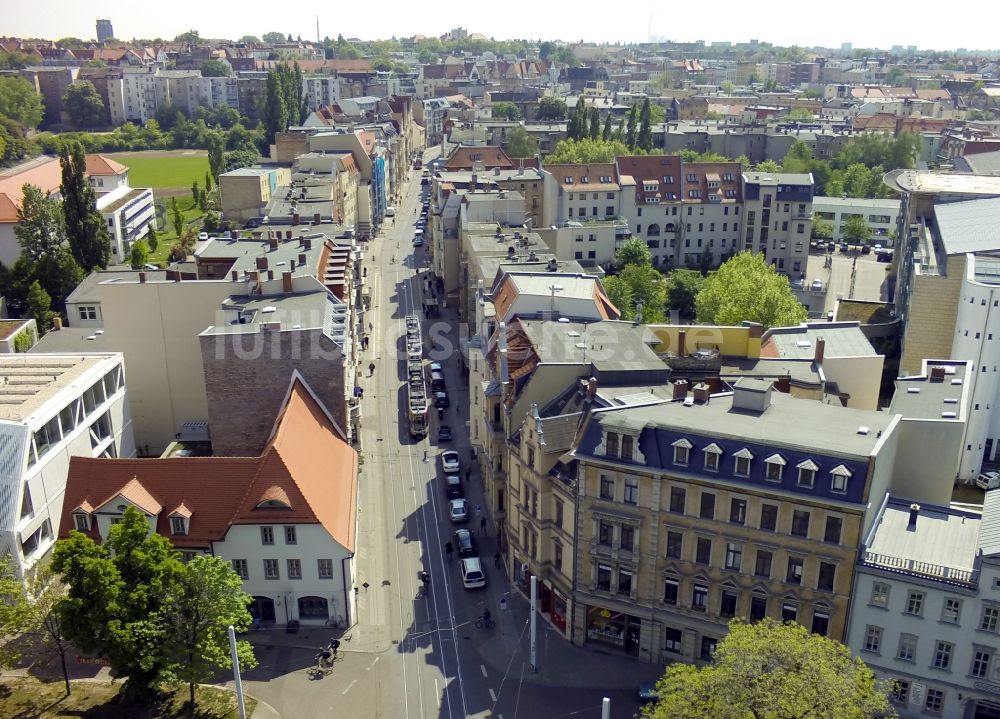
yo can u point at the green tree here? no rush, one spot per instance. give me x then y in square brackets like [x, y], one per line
[856, 230]
[520, 143]
[275, 109]
[118, 599]
[208, 181]
[770, 670]
[250, 40]
[505, 111]
[195, 192]
[619, 291]
[216, 68]
[14, 614]
[85, 227]
[273, 38]
[167, 115]
[200, 607]
[176, 216]
[746, 288]
[42, 623]
[645, 288]
[152, 241]
[682, 288]
[645, 137]
[20, 102]
[821, 229]
[606, 133]
[39, 229]
[216, 149]
[84, 105]
[551, 109]
[633, 251]
[632, 127]
[595, 124]
[39, 306]
[190, 37]
[586, 151]
[59, 273]
[799, 113]
[767, 166]
[240, 158]
[139, 254]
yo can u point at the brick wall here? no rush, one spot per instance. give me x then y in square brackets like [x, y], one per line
[930, 323]
[248, 375]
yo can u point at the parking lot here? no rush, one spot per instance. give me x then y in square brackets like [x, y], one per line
[847, 275]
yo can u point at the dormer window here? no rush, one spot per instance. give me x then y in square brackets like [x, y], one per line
[627, 444]
[178, 525]
[775, 466]
[584, 180]
[839, 477]
[611, 445]
[682, 451]
[82, 521]
[712, 453]
[807, 473]
[569, 180]
[743, 459]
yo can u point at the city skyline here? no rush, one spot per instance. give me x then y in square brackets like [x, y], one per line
[883, 26]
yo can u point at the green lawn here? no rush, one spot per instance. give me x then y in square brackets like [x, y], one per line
[166, 237]
[160, 170]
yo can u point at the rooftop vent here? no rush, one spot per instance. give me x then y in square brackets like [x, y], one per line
[863, 430]
[949, 415]
[956, 381]
[951, 400]
[268, 309]
[913, 390]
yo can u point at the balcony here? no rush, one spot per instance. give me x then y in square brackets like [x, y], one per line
[926, 570]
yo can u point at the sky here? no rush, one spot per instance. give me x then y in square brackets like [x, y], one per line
[862, 23]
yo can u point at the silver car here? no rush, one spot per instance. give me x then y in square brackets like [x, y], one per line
[458, 511]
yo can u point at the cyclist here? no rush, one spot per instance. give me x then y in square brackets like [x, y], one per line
[486, 618]
[448, 549]
[426, 579]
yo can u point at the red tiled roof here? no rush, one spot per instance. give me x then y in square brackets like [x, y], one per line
[103, 166]
[306, 465]
[585, 177]
[47, 176]
[490, 157]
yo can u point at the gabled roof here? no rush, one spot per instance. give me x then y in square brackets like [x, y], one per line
[306, 465]
[102, 166]
[489, 157]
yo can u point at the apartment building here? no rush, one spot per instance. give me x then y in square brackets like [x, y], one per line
[243, 193]
[778, 219]
[880, 215]
[925, 615]
[284, 517]
[65, 405]
[711, 200]
[581, 193]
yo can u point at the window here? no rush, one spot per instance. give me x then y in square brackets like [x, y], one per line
[672, 641]
[605, 533]
[907, 647]
[557, 554]
[611, 445]
[699, 597]
[631, 490]
[915, 603]
[241, 568]
[820, 623]
[762, 564]
[880, 595]
[670, 589]
[627, 441]
[675, 545]
[607, 487]
[708, 645]
[678, 497]
[290, 535]
[682, 450]
[271, 570]
[707, 505]
[82, 522]
[827, 574]
[627, 540]
[177, 525]
[743, 458]
[624, 582]
[734, 555]
[295, 569]
[800, 523]
[775, 465]
[935, 700]
[793, 575]
[952, 610]
[873, 639]
[831, 534]
[738, 511]
[325, 568]
[789, 611]
[768, 517]
[807, 473]
[727, 606]
[604, 577]
[991, 619]
[981, 663]
[703, 553]
[758, 608]
[900, 691]
[942, 655]
[712, 458]
[88, 312]
[267, 535]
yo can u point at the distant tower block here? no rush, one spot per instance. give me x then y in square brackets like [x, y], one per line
[104, 30]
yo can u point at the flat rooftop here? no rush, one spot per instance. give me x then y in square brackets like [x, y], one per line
[579, 287]
[28, 381]
[920, 397]
[86, 291]
[841, 339]
[925, 181]
[609, 345]
[969, 226]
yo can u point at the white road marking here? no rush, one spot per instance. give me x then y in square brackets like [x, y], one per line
[353, 682]
[493, 695]
[482, 668]
[374, 662]
[437, 693]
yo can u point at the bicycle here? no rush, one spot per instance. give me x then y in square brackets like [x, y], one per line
[485, 623]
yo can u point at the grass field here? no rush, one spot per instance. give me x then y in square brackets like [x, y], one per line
[164, 169]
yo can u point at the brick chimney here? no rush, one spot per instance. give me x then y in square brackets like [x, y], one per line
[783, 384]
[302, 258]
[316, 218]
[820, 349]
[142, 278]
[272, 243]
[270, 274]
[286, 282]
[261, 263]
[235, 275]
[914, 512]
[591, 387]
[937, 374]
[57, 323]
[681, 343]
[307, 243]
[680, 389]
[295, 218]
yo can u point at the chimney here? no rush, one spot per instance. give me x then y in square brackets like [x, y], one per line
[270, 274]
[783, 384]
[937, 374]
[288, 234]
[680, 389]
[253, 276]
[57, 323]
[302, 258]
[235, 275]
[142, 278]
[316, 218]
[261, 263]
[914, 511]
[295, 218]
[701, 393]
[291, 264]
[272, 243]
[475, 178]
[820, 349]
[591, 387]
[496, 171]
[306, 243]
[714, 384]
[286, 282]
[681, 342]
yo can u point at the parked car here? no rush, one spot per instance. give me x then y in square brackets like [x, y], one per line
[436, 367]
[866, 249]
[883, 256]
[202, 235]
[458, 511]
[648, 693]
[988, 479]
[473, 574]
[444, 433]
[450, 461]
[418, 241]
[465, 543]
[390, 211]
[441, 400]
[453, 486]
[817, 285]
[843, 247]
[799, 284]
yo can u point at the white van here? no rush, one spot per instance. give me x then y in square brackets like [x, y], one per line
[390, 211]
[473, 576]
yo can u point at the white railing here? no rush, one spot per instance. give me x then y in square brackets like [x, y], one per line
[923, 569]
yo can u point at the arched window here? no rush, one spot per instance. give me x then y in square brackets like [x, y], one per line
[653, 231]
[313, 608]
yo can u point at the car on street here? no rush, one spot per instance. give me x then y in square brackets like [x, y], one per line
[435, 367]
[418, 241]
[988, 479]
[453, 486]
[648, 692]
[843, 247]
[817, 285]
[799, 284]
[458, 510]
[473, 574]
[450, 462]
[441, 400]
[444, 433]
[465, 543]
[202, 235]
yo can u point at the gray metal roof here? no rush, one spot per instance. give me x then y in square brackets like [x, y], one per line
[969, 226]
[982, 163]
[559, 432]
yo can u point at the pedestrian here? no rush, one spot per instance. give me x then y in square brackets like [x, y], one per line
[371, 369]
[371, 326]
[496, 560]
[482, 525]
[468, 473]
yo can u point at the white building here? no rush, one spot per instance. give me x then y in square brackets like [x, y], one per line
[880, 215]
[53, 407]
[926, 613]
[286, 520]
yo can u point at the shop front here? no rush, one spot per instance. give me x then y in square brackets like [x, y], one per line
[616, 629]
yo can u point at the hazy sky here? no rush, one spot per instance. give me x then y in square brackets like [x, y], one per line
[863, 23]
